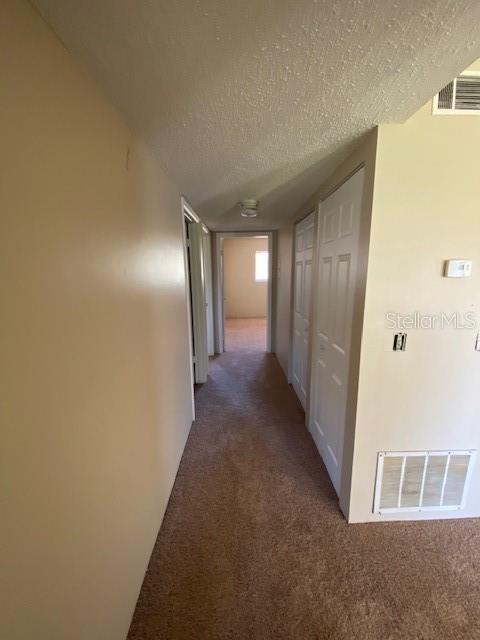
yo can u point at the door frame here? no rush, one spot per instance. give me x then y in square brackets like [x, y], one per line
[187, 212]
[196, 299]
[199, 301]
[207, 255]
[218, 288]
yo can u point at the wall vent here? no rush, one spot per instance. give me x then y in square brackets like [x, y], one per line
[422, 480]
[461, 96]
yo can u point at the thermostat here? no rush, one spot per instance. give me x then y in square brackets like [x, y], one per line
[458, 268]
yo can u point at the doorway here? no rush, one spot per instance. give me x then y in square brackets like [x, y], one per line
[243, 266]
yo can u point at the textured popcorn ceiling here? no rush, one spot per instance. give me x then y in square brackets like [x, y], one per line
[263, 98]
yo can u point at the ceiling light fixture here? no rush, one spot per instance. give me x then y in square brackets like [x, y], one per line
[249, 208]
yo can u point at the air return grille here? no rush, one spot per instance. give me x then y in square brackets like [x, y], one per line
[422, 480]
[461, 96]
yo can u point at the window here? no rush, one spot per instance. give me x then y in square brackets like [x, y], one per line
[261, 266]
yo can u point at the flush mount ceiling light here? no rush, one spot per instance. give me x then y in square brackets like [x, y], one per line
[249, 208]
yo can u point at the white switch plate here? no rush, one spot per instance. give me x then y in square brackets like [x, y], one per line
[458, 268]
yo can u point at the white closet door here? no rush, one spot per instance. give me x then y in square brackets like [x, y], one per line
[338, 237]
[303, 272]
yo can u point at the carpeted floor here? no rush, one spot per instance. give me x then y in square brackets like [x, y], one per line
[253, 545]
[245, 333]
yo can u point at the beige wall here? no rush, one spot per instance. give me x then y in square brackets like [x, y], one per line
[426, 210]
[244, 298]
[95, 367]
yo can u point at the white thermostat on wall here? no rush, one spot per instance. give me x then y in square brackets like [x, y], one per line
[458, 268]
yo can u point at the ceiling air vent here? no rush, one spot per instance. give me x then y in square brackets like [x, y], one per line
[461, 96]
[422, 480]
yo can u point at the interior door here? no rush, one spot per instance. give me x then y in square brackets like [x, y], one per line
[207, 265]
[302, 285]
[198, 299]
[338, 237]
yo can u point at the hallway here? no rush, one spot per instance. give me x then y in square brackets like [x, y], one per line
[287, 166]
[253, 545]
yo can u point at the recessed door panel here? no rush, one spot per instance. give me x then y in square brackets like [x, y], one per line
[346, 219]
[342, 288]
[297, 359]
[323, 298]
[298, 286]
[307, 288]
[329, 226]
[309, 237]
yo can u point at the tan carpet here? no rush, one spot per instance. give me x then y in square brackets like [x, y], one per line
[245, 333]
[253, 545]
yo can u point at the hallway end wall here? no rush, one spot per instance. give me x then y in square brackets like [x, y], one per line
[244, 296]
[95, 364]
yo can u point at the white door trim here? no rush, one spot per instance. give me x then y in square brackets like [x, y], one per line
[188, 212]
[196, 303]
[199, 303]
[184, 214]
[219, 323]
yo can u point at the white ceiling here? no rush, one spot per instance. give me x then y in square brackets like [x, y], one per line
[263, 98]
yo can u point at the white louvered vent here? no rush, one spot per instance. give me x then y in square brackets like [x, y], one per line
[461, 96]
[422, 480]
